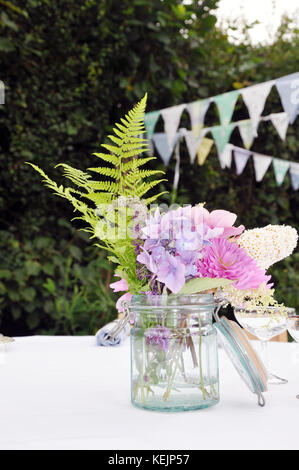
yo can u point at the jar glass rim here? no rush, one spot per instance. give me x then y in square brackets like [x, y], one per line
[144, 301]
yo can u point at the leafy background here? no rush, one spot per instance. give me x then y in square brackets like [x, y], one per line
[71, 69]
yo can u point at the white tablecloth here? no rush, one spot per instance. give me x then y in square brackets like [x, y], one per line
[66, 393]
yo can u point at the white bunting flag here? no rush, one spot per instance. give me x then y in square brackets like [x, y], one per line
[255, 98]
[225, 157]
[193, 142]
[281, 123]
[294, 174]
[241, 158]
[280, 169]
[261, 165]
[197, 111]
[164, 149]
[172, 117]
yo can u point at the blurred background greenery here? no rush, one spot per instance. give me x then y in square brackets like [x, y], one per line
[71, 69]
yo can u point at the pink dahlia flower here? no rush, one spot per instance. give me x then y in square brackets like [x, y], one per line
[224, 259]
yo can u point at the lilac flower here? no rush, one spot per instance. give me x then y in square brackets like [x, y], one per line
[158, 336]
[192, 242]
[152, 228]
[171, 271]
[189, 259]
[145, 258]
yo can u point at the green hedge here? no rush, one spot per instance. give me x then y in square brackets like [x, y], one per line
[71, 69]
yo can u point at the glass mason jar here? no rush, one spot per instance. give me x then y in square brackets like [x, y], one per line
[174, 356]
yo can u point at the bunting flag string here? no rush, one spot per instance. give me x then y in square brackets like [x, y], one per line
[198, 145]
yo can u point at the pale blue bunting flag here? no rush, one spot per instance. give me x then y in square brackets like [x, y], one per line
[241, 158]
[294, 174]
[288, 89]
[162, 145]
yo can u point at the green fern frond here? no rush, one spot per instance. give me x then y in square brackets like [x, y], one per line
[80, 178]
[137, 163]
[112, 172]
[152, 199]
[108, 158]
[145, 187]
[112, 148]
[124, 176]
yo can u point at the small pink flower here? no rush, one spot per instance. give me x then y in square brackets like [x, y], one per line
[217, 219]
[119, 286]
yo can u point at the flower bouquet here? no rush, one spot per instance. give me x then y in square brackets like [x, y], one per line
[171, 263]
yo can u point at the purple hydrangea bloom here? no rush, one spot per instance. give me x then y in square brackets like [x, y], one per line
[171, 271]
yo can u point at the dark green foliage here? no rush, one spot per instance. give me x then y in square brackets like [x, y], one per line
[71, 70]
[55, 287]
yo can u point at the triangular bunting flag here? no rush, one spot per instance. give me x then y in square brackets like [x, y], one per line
[246, 132]
[192, 144]
[255, 98]
[241, 158]
[225, 157]
[172, 117]
[150, 121]
[204, 150]
[294, 174]
[261, 165]
[280, 169]
[281, 123]
[221, 135]
[197, 111]
[164, 149]
[226, 105]
[288, 89]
